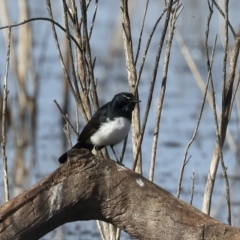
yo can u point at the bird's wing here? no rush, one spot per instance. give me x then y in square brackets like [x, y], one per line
[94, 123]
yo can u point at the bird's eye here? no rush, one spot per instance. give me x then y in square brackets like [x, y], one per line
[126, 97]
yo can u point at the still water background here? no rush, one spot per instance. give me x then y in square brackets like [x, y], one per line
[181, 105]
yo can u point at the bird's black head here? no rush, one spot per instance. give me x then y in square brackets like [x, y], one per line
[124, 101]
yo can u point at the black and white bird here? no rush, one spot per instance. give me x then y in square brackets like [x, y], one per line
[108, 126]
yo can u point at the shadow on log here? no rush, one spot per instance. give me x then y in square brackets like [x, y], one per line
[89, 187]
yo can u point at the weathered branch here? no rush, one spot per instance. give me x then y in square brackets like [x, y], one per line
[4, 119]
[132, 80]
[225, 116]
[42, 19]
[89, 187]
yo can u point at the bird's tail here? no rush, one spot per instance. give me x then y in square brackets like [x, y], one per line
[63, 158]
[78, 145]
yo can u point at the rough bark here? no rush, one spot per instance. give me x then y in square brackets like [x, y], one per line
[89, 187]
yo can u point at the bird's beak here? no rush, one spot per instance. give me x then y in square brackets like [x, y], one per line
[136, 100]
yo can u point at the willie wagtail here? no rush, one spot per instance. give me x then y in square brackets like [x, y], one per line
[108, 126]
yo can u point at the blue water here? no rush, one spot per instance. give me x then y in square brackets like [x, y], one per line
[181, 105]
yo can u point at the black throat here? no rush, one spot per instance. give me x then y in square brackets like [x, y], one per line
[114, 112]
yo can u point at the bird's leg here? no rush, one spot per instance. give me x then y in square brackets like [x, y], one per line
[115, 154]
[96, 150]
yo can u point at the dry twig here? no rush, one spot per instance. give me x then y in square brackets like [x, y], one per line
[65, 117]
[220, 152]
[225, 52]
[140, 35]
[70, 50]
[132, 79]
[4, 124]
[192, 189]
[201, 111]
[42, 19]
[235, 92]
[198, 122]
[173, 20]
[161, 42]
[222, 13]
[93, 19]
[226, 112]
[149, 101]
[76, 97]
[88, 62]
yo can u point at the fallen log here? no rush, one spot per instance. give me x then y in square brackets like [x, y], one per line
[89, 187]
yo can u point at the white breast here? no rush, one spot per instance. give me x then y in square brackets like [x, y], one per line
[111, 132]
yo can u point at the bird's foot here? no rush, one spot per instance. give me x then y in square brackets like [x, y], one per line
[120, 163]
